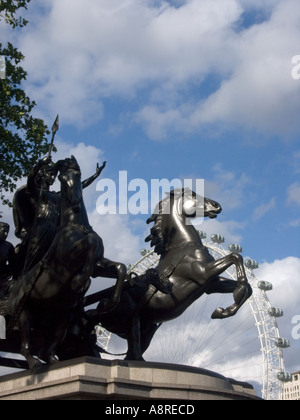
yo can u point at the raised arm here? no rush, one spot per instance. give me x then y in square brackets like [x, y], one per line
[93, 178]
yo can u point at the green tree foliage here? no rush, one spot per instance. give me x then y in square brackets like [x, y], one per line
[8, 10]
[22, 137]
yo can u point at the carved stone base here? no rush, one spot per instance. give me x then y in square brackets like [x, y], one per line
[93, 379]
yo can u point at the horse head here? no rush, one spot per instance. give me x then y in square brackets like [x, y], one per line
[191, 205]
[172, 215]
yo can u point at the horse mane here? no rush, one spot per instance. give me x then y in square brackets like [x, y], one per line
[156, 236]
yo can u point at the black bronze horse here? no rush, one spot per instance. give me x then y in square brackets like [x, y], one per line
[44, 299]
[185, 266]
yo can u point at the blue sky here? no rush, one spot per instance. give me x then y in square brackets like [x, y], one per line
[179, 89]
[202, 89]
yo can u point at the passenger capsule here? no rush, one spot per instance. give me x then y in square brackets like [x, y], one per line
[235, 248]
[218, 239]
[275, 312]
[284, 377]
[202, 234]
[252, 264]
[265, 286]
[282, 343]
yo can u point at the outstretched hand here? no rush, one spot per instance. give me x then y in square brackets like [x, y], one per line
[100, 169]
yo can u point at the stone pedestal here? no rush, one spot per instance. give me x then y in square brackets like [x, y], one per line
[93, 379]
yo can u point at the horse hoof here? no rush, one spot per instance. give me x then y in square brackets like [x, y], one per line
[35, 364]
[105, 306]
[52, 360]
[218, 313]
[134, 359]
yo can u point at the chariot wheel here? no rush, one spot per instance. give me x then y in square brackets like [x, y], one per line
[247, 347]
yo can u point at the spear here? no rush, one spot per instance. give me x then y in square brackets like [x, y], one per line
[55, 128]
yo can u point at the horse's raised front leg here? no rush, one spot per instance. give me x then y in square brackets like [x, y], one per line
[241, 289]
[113, 270]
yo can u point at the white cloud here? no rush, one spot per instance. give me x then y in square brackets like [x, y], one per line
[231, 189]
[158, 124]
[231, 230]
[78, 56]
[296, 161]
[258, 81]
[120, 243]
[295, 223]
[294, 194]
[285, 276]
[263, 209]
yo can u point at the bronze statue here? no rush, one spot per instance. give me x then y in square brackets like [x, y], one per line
[60, 252]
[37, 213]
[43, 300]
[187, 265]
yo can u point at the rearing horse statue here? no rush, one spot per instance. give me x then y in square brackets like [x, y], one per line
[185, 266]
[47, 295]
